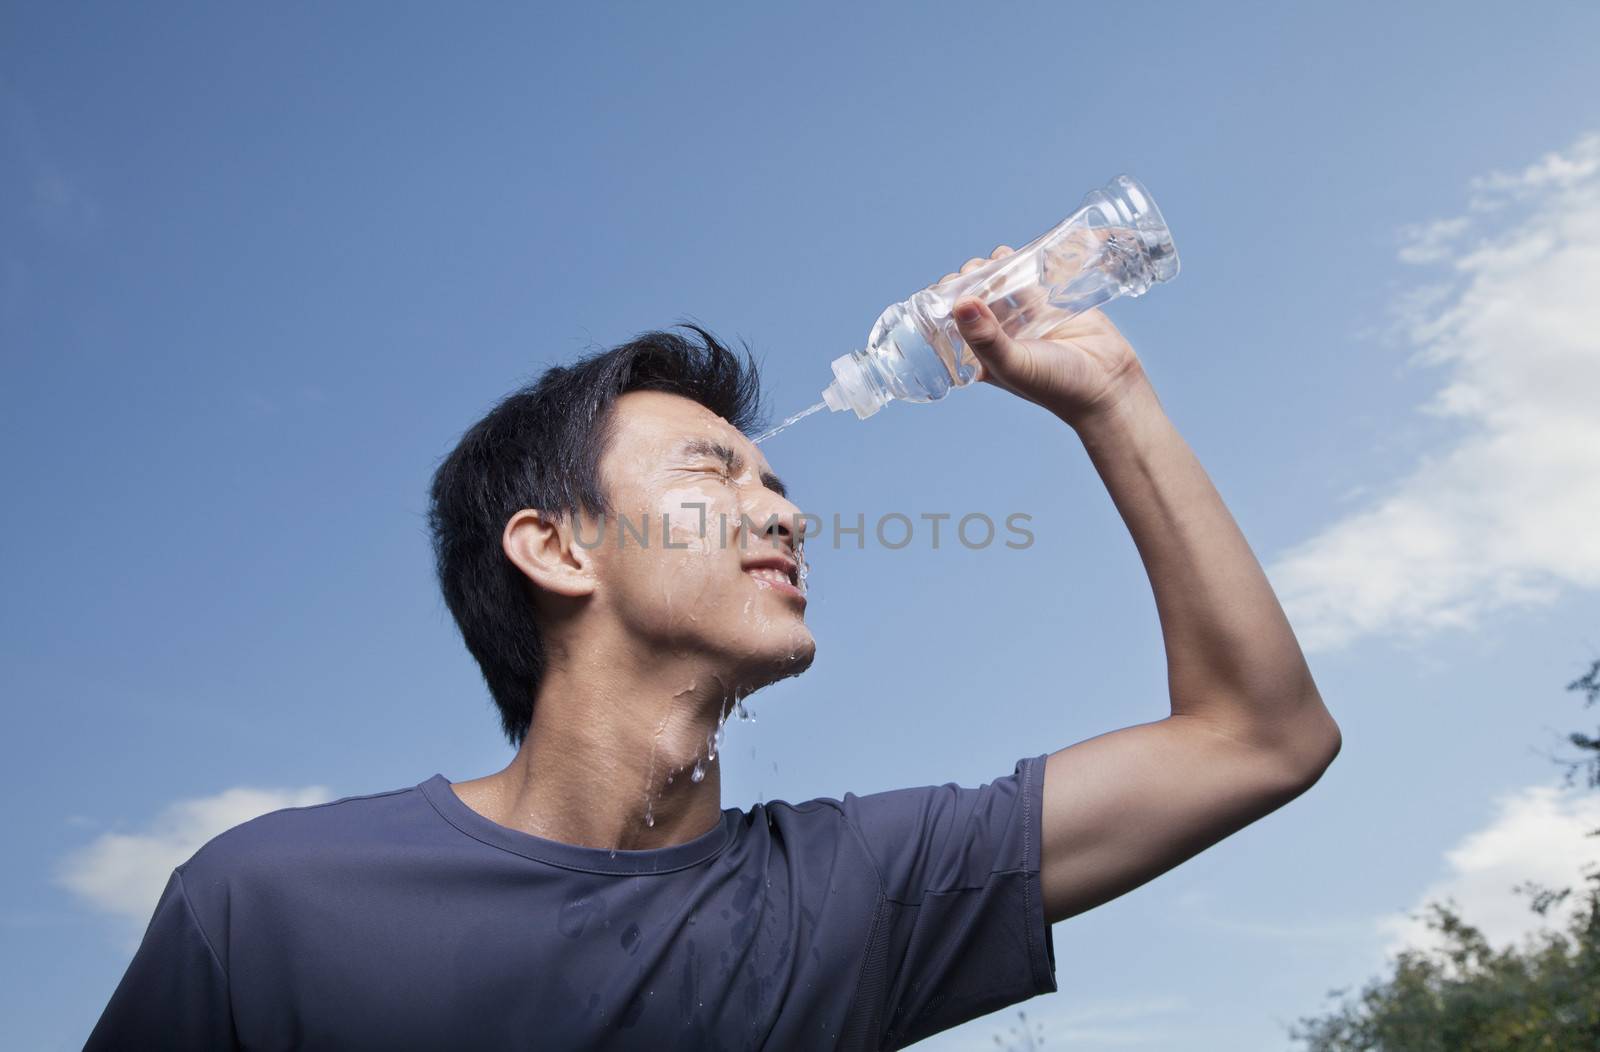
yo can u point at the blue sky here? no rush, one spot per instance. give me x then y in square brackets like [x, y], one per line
[260, 267]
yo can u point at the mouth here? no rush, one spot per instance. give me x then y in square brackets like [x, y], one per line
[778, 574]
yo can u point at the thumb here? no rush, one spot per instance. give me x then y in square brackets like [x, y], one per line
[982, 332]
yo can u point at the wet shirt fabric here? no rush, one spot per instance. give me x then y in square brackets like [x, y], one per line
[406, 920]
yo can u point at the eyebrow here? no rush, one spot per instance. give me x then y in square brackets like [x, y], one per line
[704, 447]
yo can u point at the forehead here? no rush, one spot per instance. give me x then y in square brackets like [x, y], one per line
[654, 426]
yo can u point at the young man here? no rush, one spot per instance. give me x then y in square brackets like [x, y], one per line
[623, 565]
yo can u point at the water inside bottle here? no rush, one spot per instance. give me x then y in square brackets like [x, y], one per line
[918, 342]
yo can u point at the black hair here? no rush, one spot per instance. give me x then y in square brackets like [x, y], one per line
[540, 448]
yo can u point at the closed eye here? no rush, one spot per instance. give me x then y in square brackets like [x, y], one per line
[719, 470]
[728, 463]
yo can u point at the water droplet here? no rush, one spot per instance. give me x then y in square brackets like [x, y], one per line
[574, 916]
[698, 773]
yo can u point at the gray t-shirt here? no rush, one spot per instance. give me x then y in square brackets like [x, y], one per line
[406, 920]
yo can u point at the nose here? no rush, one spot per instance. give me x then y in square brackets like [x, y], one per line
[777, 521]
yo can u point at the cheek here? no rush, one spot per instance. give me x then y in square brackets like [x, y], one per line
[686, 576]
[679, 519]
[696, 518]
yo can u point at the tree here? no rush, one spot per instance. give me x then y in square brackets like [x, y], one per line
[1468, 997]
[1465, 996]
[1587, 762]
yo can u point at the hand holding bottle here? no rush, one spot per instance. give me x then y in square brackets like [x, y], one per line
[1076, 366]
[1115, 244]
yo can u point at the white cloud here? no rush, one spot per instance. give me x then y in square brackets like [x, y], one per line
[1580, 164]
[1539, 835]
[123, 873]
[1506, 514]
[1431, 242]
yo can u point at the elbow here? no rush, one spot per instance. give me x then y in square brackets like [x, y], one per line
[1279, 758]
[1309, 748]
[1326, 738]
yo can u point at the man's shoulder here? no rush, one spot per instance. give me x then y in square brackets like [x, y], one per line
[280, 841]
[820, 810]
[819, 820]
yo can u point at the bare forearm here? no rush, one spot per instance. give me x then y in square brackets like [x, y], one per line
[1232, 657]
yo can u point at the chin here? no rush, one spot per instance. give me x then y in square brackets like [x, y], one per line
[799, 657]
[798, 660]
[773, 663]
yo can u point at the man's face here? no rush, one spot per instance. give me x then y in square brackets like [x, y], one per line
[717, 570]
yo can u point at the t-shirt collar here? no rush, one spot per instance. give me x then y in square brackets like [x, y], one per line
[454, 810]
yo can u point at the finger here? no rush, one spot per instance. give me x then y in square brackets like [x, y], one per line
[1019, 308]
[983, 333]
[1005, 307]
[1000, 252]
[1027, 314]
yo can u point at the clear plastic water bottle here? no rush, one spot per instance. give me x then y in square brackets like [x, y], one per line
[1115, 244]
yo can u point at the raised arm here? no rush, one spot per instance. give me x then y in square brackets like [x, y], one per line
[1248, 731]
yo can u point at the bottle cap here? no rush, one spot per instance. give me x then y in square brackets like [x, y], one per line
[852, 389]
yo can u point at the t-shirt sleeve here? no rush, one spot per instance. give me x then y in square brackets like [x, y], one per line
[964, 921]
[174, 994]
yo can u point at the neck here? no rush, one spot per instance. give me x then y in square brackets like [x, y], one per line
[611, 754]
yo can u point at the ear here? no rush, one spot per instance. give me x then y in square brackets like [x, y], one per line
[542, 547]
